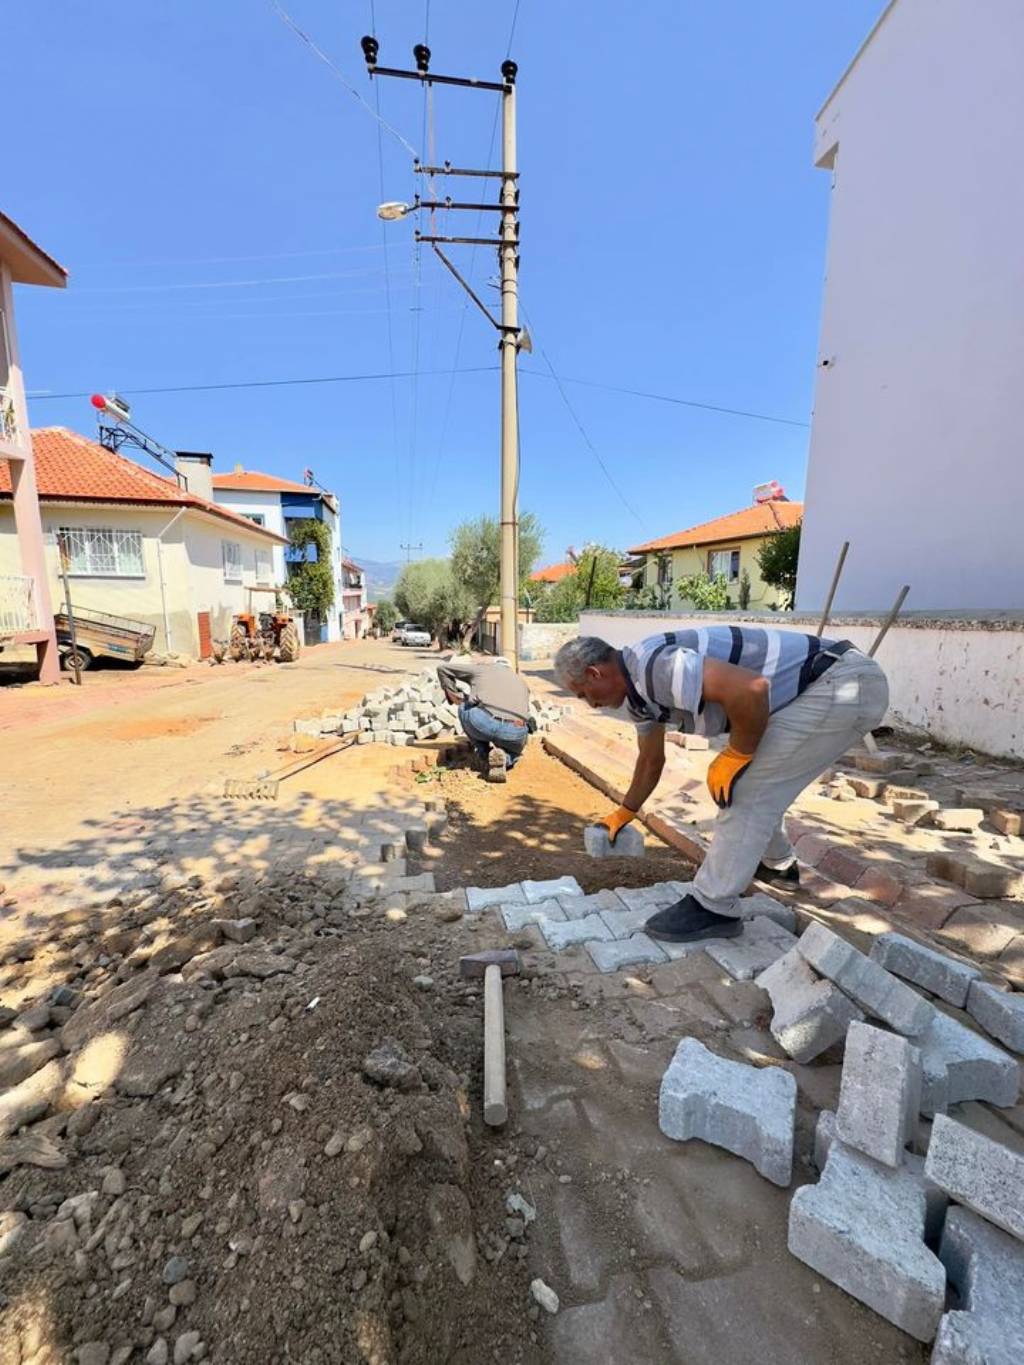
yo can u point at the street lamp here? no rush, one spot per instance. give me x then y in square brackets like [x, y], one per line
[392, 211]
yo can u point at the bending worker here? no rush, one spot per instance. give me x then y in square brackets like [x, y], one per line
[494, 709]
[790, 705]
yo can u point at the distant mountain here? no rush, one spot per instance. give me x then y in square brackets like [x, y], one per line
[380, 578]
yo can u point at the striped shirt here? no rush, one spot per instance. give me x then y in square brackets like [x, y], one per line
[665, 673]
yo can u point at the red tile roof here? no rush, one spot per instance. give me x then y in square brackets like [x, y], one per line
[554, 573]
[759, 520]
[253, 482]
[71, 468]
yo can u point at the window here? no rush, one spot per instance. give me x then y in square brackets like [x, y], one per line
[102, 552]
[232, 555]
[257, 517]
[264, 566]
[664, 563]
[725, 562]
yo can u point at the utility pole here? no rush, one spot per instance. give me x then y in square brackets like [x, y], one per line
[409, 549]
[512, 336]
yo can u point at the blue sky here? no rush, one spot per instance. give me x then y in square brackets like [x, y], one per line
[211, 187]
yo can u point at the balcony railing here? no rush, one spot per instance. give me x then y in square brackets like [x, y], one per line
[8, 419]
[17, 605]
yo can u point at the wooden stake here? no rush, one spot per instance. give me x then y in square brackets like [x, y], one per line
[889, 620]
[832, 590]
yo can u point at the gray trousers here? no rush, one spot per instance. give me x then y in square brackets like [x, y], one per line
[799, 744]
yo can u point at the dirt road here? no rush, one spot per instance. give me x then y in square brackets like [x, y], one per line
[130, 740]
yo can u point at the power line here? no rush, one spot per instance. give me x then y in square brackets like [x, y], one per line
[264, 383]
[583, 432]
[226, 260]
[226, 284]
[679, 402]
[387, 266]
[512, 30]
[286, 18]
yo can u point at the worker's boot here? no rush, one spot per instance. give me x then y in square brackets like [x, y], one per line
[496, 765]
[786, 879]
[688, 921]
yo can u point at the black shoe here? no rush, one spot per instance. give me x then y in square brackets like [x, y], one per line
[687, 921]
[786, 880]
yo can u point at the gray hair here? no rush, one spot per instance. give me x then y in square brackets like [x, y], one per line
[576, 656]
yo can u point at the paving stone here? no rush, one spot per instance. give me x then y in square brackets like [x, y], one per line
[963, 818]
[761, 943]
[862, 1227]
[912, 812]
[1000, 1013]
[870, 986]
[623, 952]
[842, 865]
[974, 1170]
[760, 903]
[748, 1111]
[880, 1094]
[867, 786]
[880, 886]
[892, 791]
[517, 916]
[560, 934]
[958, 1064]
[881, 761]
[978, 876]
[575, 907]
[1007, 821]
[810, 1014]
[740, 1002]
[557, 886]
[930, 904]
[985, 930]
[623, 922]
[936, 1200]
[483, 897]
[986, 1269]
[934, 972]
[629, 842]
[649, 898]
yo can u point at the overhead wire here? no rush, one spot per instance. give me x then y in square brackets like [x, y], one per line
[286, 18]
[261, 383]
[581, 428]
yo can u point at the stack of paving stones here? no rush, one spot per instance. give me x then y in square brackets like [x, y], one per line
[402, 714]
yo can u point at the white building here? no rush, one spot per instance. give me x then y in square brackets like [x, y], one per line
[141, 545]
[275, 503]
[917, 457]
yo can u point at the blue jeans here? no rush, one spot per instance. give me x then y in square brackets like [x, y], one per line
[484, 730]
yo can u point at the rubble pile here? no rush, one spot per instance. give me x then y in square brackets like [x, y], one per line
[239, 1120]
[407, 712]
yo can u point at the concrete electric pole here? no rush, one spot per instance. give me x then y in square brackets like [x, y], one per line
[512, 336]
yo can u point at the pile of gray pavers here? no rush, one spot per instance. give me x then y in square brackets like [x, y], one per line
[909, 1233]
[408, 711]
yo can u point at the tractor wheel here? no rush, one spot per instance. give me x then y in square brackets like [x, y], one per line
[238, 645]
[289, 643]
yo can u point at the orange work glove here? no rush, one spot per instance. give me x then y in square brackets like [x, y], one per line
[725, 772]
[617, 820]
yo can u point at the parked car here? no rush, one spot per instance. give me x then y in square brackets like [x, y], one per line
[396, 634]
[417, 636]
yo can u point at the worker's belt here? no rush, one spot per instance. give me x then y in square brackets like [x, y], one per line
[504, 720]
[822, 662]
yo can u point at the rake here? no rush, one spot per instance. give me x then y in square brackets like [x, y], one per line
[266, 788]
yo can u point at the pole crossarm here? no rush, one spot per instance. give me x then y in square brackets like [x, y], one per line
[496, 242]
[449, 169]
[428, 78]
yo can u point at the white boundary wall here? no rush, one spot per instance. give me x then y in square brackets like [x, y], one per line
[959, 679]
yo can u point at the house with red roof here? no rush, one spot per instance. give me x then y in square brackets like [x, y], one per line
[143, 545]
[726, 545]
[277, 503]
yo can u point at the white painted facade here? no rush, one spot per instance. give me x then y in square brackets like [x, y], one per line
[266, 507]
[186, 566]
[916, 453]
[957, 680]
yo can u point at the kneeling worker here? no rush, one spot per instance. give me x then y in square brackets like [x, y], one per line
[494, 709]
[790, 704]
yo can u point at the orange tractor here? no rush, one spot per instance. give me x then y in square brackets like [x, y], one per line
[264, 635]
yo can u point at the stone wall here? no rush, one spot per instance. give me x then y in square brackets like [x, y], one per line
[540, 640]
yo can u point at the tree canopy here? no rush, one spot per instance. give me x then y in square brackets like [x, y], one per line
[428, 594]
[311, 581]
[386, 616]
[594, 582]
[777, 559]
[476, 556]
